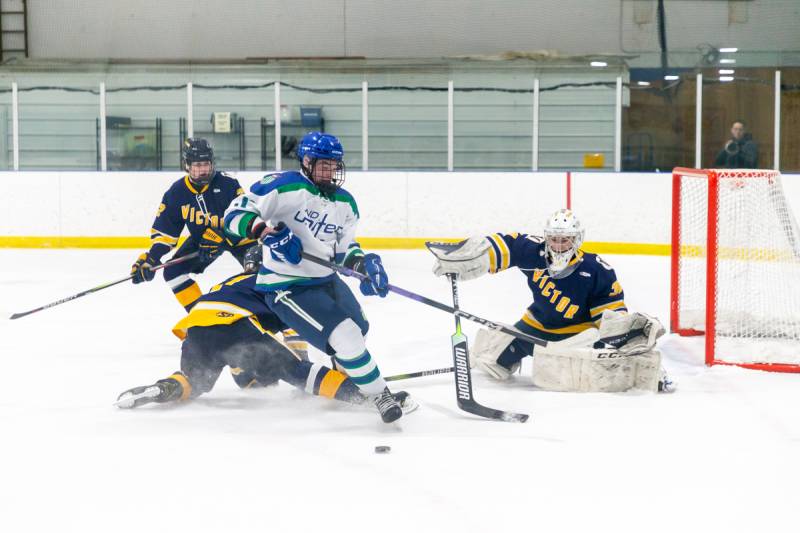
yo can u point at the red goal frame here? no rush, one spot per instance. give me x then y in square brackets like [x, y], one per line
[711, 266]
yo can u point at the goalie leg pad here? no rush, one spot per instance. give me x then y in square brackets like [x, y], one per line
[489, 345]
[595, 370]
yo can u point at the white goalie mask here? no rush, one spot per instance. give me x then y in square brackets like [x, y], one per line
[563, 237]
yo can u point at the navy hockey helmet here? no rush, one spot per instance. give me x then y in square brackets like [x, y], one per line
[320, 156]
[197, 150]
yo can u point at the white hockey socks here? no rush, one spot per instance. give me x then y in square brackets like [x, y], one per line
[352, 357]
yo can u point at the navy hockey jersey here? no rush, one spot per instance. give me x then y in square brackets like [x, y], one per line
[184, 205]
[561, 307]
[234, 299]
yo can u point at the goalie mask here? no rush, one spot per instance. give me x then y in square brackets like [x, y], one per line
[563, 237]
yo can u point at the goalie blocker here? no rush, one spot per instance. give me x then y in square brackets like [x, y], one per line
[619, 356]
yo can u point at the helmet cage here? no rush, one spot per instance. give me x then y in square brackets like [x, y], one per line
[324, 185]
[197, 150]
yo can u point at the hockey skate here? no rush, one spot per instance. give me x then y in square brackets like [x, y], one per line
[388, 406]
[665, 384]
[407, 403]
[160, 392]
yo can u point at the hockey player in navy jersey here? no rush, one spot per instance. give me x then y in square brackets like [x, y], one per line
[197, 202]
[232, 325]
[290, 212]
[578, 305]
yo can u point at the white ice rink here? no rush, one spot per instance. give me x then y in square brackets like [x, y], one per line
[719, 455]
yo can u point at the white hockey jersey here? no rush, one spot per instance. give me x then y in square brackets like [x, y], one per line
[325, 224]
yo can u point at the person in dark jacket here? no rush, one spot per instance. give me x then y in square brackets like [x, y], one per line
[740, 151]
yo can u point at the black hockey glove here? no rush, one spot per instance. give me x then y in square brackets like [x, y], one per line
[211, 245]
[141, 270]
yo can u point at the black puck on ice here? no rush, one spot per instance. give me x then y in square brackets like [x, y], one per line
[383, 449]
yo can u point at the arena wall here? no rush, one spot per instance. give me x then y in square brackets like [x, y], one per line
[623, 212]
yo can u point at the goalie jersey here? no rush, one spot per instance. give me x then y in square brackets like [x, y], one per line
[324, 223]
[184, 205]
[227, 302]
[561, 307]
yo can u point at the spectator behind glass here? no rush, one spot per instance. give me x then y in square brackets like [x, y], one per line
[740, 151]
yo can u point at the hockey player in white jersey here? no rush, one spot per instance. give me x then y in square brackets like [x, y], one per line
[291, 212]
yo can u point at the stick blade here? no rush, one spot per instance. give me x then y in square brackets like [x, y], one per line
[473, 407]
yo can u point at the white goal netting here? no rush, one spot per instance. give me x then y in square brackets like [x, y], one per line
[755, 254]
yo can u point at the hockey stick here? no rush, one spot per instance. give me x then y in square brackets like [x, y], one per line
[466, 401]
[420, 374]
[427, 301]
[101, 287]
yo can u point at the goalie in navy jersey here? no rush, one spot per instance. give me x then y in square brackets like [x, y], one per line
[578, 306]
[231, 325]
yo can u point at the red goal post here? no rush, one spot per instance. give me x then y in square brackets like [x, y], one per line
[735, 267]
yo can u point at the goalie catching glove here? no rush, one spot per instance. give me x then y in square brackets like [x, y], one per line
[467, 259]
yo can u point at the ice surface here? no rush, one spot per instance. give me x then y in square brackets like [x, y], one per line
[721, 454]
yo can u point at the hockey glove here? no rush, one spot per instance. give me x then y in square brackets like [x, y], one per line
[377, 282]
[467, 259]
[210, 246]
[283, 245]
[141, 270]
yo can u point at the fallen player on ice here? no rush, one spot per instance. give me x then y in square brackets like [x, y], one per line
[232, 326]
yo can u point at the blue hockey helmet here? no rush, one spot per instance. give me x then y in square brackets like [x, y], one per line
[197, 150]
[319, 146]
[315, 152]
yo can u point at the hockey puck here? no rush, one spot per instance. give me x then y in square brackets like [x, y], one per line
[383, 449]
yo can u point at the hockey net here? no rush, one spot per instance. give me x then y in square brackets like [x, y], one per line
[735, 270]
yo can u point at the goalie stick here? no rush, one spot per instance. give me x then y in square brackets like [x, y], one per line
[427, 301]
[463, 377]
[100, 287]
